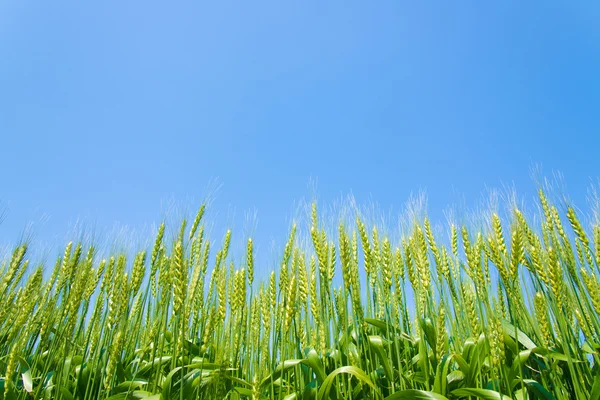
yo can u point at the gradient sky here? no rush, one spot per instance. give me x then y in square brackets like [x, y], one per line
[110, 111]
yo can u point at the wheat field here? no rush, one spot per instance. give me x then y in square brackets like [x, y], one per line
[507, 310]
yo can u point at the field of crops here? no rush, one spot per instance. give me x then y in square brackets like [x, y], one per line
[505, 309]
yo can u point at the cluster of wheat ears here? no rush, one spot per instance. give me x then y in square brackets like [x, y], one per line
[510, 310]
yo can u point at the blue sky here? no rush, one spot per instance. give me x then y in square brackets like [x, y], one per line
[110, 111]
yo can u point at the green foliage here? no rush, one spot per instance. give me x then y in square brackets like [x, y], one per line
[412, 317]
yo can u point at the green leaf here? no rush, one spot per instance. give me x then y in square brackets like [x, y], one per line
[587, 348]
[310, 391]
[377, 323]
[192, 348]
[538, 390]
[204, 366]
[66, 394]
[243, 391]
[455, 376]
[595, 393]
[464, 367]
[376, 343]
[129, 386]
[521, 394]
[151, 365]
[166, 386]
[521, 337]
[239, 381]
[521, 359]
[136, 394]
[27, 381]
[281, 368]
[385, 328]
[314, 361]
[561, 357]
[415, 394]
[441, 375]
[430, 334]
[484, 394]
[118, 396]
[354, 371]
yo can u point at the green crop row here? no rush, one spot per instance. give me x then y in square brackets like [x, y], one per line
[507, 311]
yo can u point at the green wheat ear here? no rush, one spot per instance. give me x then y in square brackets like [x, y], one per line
[196, 222]
[250, 261]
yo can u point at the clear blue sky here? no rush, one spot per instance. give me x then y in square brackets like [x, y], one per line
[108, 109]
